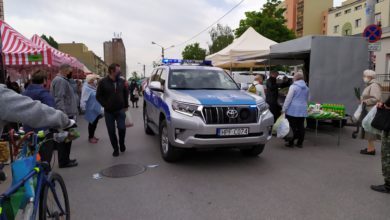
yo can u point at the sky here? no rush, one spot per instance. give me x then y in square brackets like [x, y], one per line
[168, 22]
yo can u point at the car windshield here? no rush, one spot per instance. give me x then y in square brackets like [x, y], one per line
[198, 79]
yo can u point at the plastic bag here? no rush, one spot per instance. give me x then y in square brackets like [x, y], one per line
[277, 123]
[283, 129]
[129, 120]
[366, 123]
[358, 112]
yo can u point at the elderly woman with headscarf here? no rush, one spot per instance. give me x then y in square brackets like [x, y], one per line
[295, 108]
[91, 107]
[371, 95]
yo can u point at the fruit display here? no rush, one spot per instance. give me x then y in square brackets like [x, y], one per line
[326, 111]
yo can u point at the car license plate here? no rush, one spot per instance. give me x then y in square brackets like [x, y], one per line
[223, 132]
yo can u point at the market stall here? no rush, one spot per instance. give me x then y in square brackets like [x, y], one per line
[250, 43]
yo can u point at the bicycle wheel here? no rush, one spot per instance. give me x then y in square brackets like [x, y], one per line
[54, 202]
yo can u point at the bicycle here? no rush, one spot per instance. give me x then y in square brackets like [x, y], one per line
[35, 188]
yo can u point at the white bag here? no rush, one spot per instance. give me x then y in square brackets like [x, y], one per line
[366, 123]
[129, 120]
[358, 112]
[283, 129]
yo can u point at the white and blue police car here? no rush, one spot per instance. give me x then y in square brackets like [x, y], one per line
[192, 105]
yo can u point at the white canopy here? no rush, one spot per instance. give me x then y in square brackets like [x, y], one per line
[249, 44]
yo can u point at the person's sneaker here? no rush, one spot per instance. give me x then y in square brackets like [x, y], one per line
[290, 145]
[123, 148]
[69, 165]
[385, 188]
[116, 153]
[366, 152]
[92, 141]
[96, 138]
[299, 145]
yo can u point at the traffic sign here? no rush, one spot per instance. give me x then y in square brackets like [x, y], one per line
[374, 47]
[373, 33]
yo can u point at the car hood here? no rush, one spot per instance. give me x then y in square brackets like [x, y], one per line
[217, 97]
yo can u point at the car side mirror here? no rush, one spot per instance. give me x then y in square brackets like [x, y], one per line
[156, 86]
[244, 86]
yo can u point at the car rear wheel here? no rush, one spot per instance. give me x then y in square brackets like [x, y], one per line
[169, 153]
[254, 151]
[147, 129]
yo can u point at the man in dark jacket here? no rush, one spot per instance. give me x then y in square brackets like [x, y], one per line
[66, 101]
[36, 91]
[273, 95]
[113, 95]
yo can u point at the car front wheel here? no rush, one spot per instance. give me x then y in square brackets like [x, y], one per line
[169, 153]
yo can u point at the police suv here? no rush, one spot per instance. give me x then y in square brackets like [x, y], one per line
[192, 105]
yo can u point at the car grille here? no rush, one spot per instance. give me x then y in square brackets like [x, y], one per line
[219, 115]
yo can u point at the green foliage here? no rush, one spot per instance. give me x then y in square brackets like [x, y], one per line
[194, 52]
[269, 22]
[221, 37]
[50, 40]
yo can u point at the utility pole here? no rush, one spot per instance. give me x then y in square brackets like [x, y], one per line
[370, 19]
[144, 70]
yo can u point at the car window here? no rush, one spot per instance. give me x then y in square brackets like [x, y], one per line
[156, 76]
[163, 76]
[197, 79]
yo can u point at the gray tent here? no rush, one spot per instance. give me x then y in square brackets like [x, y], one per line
[336, 65]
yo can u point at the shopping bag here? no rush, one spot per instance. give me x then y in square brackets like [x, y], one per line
[283, 129]
[358, 112]
[129, 120]
[367, 121]
[277, 123]
[381, 120]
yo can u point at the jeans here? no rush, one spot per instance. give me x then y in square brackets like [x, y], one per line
[297, 124]
[118, 117]
[92, 127]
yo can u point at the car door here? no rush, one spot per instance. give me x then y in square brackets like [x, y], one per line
[155, 96]
[160, 96]
[148, 96]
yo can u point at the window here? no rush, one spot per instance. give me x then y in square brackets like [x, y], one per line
[336, 29]
[357, 8]
[378, 18]
[338, 14]
[163, 77]
[358, 22]
[156, 76]
[347, 11]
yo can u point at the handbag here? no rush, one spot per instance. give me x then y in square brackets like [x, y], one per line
[382, 120]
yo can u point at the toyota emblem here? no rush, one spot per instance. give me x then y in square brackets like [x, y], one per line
[232, 113]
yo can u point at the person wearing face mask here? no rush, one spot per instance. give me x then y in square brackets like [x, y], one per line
[112, 93]
[91, 107]
[66, 101]
[371, 95]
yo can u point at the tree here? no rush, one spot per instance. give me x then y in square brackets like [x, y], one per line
[194, 52]
[50, 40]
[269, 22]
[221, 37]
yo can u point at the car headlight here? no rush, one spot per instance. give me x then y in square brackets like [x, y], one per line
[185, 108]
[263, 108]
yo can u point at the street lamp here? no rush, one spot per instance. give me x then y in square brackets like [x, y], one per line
[162, 48]
[143, 67]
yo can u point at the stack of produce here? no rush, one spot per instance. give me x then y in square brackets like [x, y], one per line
[326, 111]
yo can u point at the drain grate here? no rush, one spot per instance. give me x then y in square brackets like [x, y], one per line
[123, 170]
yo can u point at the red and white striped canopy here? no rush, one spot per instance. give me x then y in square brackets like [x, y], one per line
[20, 51]
[59, 57]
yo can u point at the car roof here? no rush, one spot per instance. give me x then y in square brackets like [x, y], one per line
[188, 67]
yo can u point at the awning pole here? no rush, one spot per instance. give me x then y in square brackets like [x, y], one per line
[2, 67]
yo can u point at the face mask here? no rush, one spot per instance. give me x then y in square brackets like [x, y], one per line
[95, 82]
[366, 79]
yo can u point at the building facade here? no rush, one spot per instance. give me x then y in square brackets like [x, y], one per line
[115, 52]
[305, 17]
[350, 17]
[79, 50]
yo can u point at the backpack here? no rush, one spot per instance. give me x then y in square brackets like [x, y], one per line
[252, 89]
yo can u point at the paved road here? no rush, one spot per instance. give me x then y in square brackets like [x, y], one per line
[320, 181]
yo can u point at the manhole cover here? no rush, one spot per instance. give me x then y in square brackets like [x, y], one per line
[123, 170]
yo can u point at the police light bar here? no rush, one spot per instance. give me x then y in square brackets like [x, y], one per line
[180, 61]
